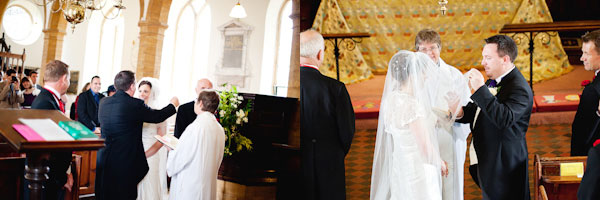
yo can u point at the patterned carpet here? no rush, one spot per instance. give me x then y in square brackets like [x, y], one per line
[547, 140]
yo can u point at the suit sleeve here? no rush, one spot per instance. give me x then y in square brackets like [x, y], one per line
[468, 113]
[178, 124]
[156, 116]
[82, 114]
[345, 118]
[505, 114]
[4, 91]
[59, 162]
[591, 178]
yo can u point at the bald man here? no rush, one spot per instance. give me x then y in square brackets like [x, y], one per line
[327, 124]
[186, 114]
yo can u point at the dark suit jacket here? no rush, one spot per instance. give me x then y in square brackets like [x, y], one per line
[87, 109]
[122, 164]
[326, 132]
[588, 189]
[585, 124]
[59, 161]
[185, 116]
[499, 137]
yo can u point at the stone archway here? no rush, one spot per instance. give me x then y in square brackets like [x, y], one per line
[152, 28]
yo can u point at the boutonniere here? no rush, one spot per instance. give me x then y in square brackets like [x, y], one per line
[585, 83]
[494, 90]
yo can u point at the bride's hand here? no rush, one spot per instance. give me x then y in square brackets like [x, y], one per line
[444, 169]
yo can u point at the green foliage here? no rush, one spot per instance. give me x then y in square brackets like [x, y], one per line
[232, 117]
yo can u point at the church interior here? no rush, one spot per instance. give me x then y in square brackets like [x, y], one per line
[249, 45]
[558, 73]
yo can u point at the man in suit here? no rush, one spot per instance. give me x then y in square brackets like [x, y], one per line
[588, 189]
[56, 82]
[33, 75]
[499, 121]
[87, 105]
[327, 124]
[585, 128]
[122, 164]
[186, 114]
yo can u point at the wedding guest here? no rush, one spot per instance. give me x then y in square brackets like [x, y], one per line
[33, 76]
[73, 112]
[585, 128]
[588, 189]
[110, 91]
[186, 114]
[56, 82]
[327, 123]
[87, 105]
[194, 163]
[122, 164]
[29, 92]
[10, 95]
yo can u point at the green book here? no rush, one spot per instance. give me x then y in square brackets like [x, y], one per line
[77, 130]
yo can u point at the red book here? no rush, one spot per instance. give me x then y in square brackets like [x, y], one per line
[28, 133]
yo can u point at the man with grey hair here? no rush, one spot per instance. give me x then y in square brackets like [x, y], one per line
[452, 142]
[327, 123]
[186, 114]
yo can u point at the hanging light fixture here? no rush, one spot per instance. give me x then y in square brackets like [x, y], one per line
[238, 11]
[75, 11]
[443, 4]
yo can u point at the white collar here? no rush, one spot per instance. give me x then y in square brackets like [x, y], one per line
[311, 66]
[51, 89]
[596, 74]
[503, 75]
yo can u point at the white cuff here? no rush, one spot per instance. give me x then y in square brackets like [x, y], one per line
[597, 113]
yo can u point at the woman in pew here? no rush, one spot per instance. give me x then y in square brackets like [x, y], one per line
[194, 164]
[154, 184]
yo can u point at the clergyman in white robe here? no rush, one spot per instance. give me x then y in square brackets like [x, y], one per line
[453, 142]
[194, 164]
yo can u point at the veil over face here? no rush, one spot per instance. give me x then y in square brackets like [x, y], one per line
[410, 108]
[155, 100]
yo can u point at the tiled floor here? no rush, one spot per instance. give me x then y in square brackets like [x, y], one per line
[546, 140]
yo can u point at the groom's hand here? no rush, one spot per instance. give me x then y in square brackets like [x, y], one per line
[475, 79]
[175, 101]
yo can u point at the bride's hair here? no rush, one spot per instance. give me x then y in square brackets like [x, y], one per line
[145, 82]
[400, 69]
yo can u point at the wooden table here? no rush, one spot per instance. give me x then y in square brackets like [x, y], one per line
[37, 152]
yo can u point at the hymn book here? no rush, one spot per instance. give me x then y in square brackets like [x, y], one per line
[77, 130]
[47, 129]
[168, 140]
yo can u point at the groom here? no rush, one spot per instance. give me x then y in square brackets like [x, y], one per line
[499, 121]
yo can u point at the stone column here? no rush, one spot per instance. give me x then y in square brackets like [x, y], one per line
[294, 80]
[53, 44]
[150, 50]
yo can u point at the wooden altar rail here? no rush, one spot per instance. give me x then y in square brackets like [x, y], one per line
[535, 29]
[552, 26]
[547, 182]
[337, 39]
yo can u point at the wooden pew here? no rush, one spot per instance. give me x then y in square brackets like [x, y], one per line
[547, 179]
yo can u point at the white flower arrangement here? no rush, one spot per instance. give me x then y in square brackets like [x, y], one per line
[233, 115]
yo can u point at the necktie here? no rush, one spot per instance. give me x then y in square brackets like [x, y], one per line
[61, 104]
[492, 83]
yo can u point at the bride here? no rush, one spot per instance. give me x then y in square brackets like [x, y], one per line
[154, 184]
[407, 163]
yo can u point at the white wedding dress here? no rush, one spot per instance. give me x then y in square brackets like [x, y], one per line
[412, 177]
[154, 184]
[407, 163]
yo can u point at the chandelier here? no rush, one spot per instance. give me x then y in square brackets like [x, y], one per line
[76, 11]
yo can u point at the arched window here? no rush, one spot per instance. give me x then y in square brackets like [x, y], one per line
[277, 48]
[22, 22]
[104, 48]
[185, 47]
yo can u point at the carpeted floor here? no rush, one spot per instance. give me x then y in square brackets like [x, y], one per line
[545, 140]
[549, 134]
